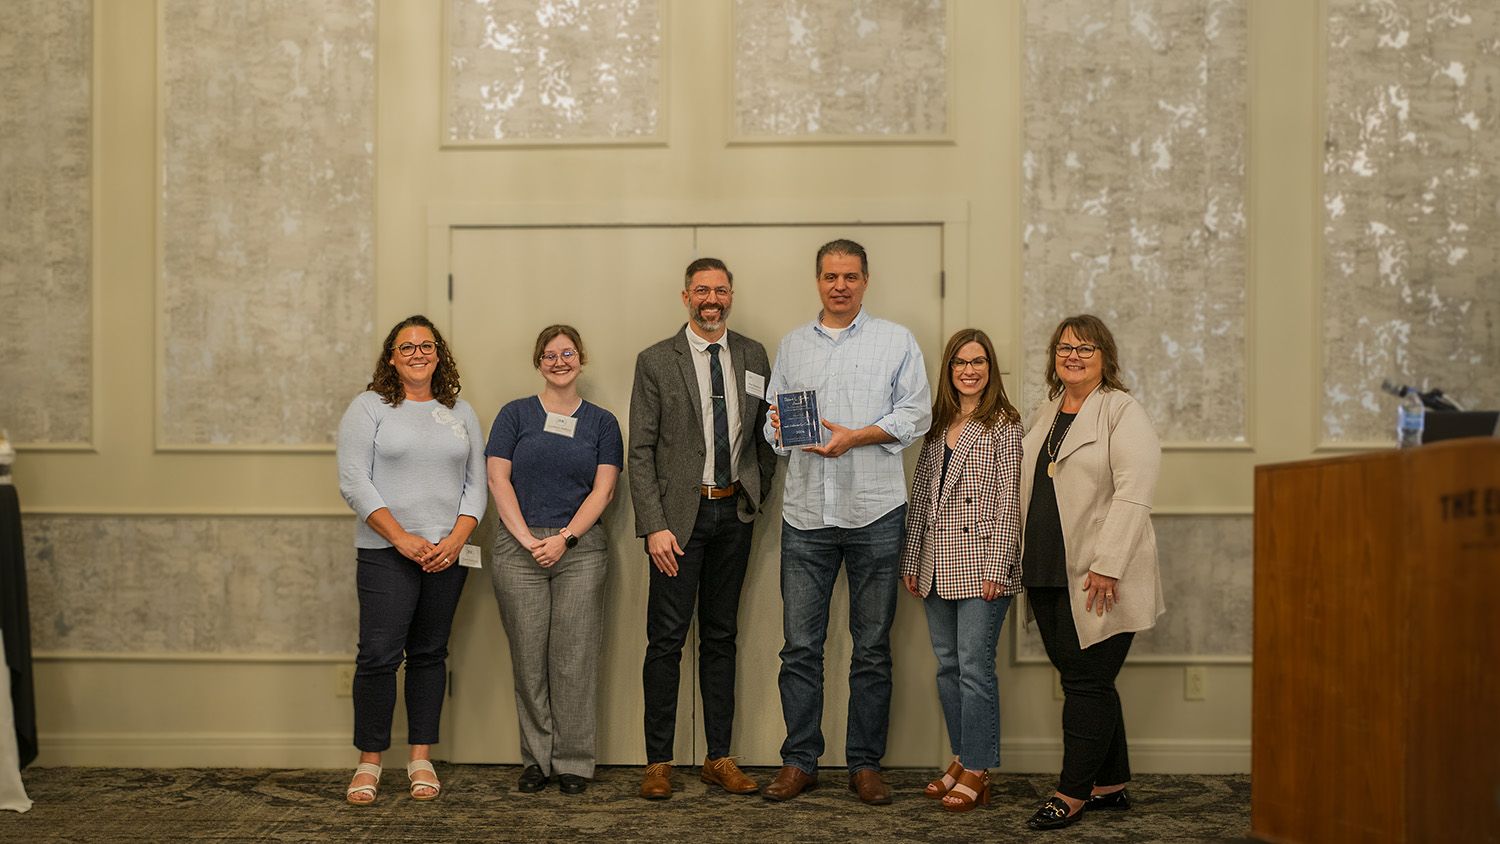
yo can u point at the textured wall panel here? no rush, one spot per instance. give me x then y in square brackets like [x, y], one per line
[1134, 198]
[553, 70]
[1411, 191]
[1208, 578]
[46, 67]
[843, 68]
[267, 218]
[133, 584]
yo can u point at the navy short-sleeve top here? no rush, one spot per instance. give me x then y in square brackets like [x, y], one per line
[553, 473]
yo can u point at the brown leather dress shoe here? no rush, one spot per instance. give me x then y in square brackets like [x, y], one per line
[657, 782]
[870, 787]
[790, 781]
[728, 776]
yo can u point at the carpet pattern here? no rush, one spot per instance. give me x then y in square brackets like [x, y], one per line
[480, 803]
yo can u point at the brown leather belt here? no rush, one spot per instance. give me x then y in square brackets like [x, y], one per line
[718, 491]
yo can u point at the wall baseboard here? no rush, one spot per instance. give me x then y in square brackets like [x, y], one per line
[1147, 756]
[335, 750]
[196, 750]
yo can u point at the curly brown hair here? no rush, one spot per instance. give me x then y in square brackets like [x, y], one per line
[387, 382]
[1089, 329]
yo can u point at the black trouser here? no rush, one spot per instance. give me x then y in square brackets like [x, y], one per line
[1094, 751]
[402, 610]
[710, 574]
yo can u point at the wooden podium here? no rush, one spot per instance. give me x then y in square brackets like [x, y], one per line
[1377, 647]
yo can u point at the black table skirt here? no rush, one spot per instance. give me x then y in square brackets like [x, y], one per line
[16, 620]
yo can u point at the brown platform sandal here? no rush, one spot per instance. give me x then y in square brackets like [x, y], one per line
[936, 789]
[954, 801]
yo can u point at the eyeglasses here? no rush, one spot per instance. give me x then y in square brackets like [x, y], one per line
[959, 364]
[565, 354]
[1085, 351]
[702, 291]
[408, 349]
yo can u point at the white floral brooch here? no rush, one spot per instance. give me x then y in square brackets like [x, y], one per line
[444, 416]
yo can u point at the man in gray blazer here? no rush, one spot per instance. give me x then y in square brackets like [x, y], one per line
[698, 475]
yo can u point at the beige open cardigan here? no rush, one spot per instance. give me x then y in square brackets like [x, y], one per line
[1106, 478]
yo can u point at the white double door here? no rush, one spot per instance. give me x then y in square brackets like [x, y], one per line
[620, 286]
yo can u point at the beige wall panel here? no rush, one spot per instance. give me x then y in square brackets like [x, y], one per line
[1134, 199]
[267, 219]
[1207, 574]
[1411, 266]
[187, 584]
[46, 72]
[546, 70]
[847, 68]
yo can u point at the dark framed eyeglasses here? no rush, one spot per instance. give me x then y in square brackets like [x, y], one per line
[427, 347]
[1084, 351]
[959, 364]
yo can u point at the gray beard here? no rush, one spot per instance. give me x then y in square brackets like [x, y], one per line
[710, 327]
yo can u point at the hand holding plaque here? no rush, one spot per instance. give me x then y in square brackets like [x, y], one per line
[798, 412]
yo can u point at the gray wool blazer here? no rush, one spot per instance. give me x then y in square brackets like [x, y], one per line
[666, 451]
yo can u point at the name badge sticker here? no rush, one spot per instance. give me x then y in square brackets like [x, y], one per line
[560, 424]
[469, 556]
[755, 385]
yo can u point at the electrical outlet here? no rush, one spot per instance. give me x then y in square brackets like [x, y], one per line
[1195, 683]
[343, 681]
[1057, 689]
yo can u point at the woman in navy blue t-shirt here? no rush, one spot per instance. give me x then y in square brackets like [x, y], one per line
[553, 460]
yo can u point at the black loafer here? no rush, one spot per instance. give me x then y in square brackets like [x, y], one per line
[1054, 815]
[532, 780]
[1117, 800]
[571, 783]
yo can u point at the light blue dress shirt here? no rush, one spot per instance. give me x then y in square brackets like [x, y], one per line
[871, 374]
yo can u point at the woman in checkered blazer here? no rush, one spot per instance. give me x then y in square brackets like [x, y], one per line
[962, 555]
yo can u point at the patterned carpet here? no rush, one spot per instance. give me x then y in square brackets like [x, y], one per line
[479, 803]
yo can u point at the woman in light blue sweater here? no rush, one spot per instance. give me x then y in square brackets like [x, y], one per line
[411, 466]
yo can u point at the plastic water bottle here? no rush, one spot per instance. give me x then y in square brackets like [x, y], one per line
[1411, 417]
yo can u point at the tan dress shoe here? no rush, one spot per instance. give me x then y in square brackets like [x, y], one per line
[657, 782]
[728, 776]
[870, 787]
[790, 781]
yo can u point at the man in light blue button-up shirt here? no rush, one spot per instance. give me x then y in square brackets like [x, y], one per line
[845, 504]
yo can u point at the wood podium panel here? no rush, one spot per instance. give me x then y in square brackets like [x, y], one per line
[1377, 634]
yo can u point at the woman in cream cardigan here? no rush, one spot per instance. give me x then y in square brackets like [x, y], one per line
[1088, 555]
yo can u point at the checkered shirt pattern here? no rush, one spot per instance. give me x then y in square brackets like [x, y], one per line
[974, 521]
[873, 374]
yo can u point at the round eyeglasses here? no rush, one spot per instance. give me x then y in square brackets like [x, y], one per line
[427, 347]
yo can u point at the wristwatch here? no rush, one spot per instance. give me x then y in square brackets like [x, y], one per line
[568, 539]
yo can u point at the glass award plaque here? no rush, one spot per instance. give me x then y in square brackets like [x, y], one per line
[800, 424]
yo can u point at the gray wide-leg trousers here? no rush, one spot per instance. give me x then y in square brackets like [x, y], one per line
[554, 618]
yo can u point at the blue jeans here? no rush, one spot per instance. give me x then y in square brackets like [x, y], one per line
[810, 562]
[964, 633]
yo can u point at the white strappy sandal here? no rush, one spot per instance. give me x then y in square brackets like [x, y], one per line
[416, 765]
[364, 768]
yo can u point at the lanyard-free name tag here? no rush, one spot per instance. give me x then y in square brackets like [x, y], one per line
[755, 384]
[469, 556]
[559, 424]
